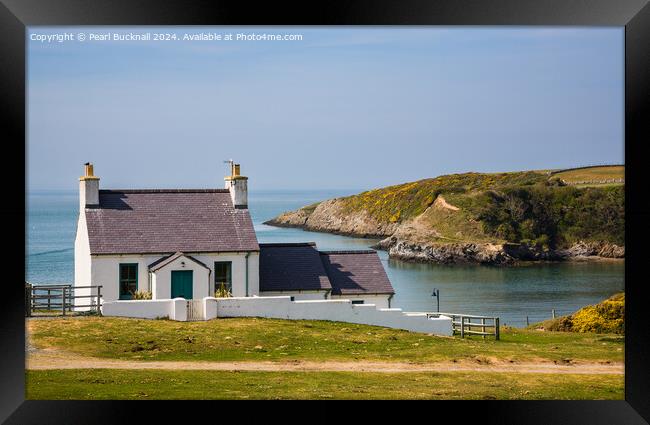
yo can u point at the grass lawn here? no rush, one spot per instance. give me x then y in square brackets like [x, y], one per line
[100, 384]
[255, 339]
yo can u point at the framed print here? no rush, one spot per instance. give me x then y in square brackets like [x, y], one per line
[427, 200]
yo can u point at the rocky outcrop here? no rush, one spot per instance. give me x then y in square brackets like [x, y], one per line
[449, 253]
[599, 249]
[493, 254]
[296, 218]
[330, 216]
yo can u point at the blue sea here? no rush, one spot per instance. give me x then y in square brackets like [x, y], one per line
[511, 293]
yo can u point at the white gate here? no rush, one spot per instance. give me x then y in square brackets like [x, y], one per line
[195, 310]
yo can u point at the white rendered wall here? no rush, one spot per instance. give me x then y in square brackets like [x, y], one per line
[254, 273]
[88, 193]
[82, 261]
[154, 287]
[238, 189]
[201, 279]
[380, 300]
[105, 272]
[238, 261]
[297, 295]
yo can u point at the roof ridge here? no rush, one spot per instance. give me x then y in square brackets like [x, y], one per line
[163, 191]
[288, 244]
[349, 251]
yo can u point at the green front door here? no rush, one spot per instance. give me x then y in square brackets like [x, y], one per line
[182, 284]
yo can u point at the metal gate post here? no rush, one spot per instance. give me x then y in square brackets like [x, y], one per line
[99, 300]
[28, 300]
[63, 300]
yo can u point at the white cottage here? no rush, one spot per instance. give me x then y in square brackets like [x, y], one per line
[187, 243]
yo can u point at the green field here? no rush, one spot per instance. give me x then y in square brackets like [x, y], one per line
[593, 175]
[255, 339]
[98, 384]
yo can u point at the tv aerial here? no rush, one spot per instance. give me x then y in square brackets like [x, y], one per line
[232, 165]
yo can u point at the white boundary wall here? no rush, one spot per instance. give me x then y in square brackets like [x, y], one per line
[174, 309]
[335, 310]
[283, 308]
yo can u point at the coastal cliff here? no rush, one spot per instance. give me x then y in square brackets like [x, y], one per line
[495, 254]
[482, 218]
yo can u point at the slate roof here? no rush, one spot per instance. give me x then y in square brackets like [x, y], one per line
[167, 221]
[291, 267]
[300, 266]
[356, 272]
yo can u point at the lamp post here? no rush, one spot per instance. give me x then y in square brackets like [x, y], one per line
[436, 294]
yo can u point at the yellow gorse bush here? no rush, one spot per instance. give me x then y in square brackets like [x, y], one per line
[606, 317]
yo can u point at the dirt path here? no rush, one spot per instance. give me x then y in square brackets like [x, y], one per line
[442, 202]
[55, 359]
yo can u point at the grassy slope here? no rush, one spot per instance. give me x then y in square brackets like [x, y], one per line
[404, 201]
[254, 339]
[158, 384]
[523, 206]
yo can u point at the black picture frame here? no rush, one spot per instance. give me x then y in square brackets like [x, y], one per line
[634, 15]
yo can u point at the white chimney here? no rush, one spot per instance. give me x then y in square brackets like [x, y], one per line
[238, 187]
[88, 188]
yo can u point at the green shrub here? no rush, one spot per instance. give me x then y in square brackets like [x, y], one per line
[554, 216]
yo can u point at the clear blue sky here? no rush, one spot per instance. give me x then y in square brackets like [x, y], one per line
[345, 108]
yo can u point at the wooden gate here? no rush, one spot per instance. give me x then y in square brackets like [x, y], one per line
[48, 300]
[195, 310]
[467, 324]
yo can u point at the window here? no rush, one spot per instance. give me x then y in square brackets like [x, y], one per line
[293, 298]
[357, 301]
[223, 275]
[128, 280]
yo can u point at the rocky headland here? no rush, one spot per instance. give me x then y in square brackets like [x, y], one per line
[496, 219]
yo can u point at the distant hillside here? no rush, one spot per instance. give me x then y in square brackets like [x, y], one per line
[488, 218]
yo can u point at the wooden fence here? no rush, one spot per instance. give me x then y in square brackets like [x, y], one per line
[61, 299]
[467, 324]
